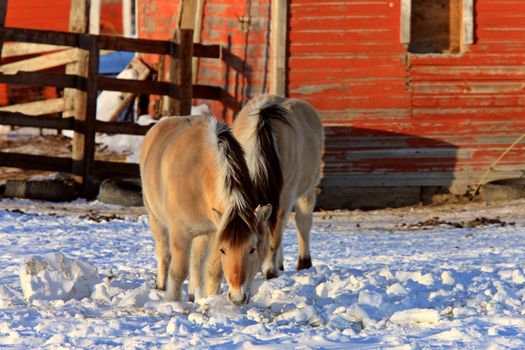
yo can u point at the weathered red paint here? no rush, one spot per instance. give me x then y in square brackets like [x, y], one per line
[51, 15]
[46, 15]
[471, 104]
[240, 26]
[54, 15]
[392, 118]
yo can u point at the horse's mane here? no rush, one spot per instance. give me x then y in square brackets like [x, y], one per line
[237, 189]
[263, 158]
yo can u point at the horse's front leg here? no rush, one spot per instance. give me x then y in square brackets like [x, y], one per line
[180, 244]
[272, 259]
[199, 249]
[213, 273]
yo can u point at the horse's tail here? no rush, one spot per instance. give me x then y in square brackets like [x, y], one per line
[263, 158]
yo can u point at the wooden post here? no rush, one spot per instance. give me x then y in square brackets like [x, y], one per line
[197, 32]
[190, 17]
[187, 14]
[75, 100]
[3, 13]
[185, 21]
[278, 29]
[468, 22]
[180, 71]
[456, 25]
[406, 21]
[127, 26]
[94, 16]
[91, 116]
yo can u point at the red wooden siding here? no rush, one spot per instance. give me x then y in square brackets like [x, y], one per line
[50, 15]
[392, 118]
[396, 119]
[479, 97]
[111, 17]
[54, 15]
[46, 15]
[241, 27]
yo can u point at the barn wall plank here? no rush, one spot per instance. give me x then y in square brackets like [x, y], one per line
[399, 119]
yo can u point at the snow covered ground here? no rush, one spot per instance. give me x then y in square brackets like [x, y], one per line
[413, 278]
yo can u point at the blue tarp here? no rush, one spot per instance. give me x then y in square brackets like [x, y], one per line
[115, 62]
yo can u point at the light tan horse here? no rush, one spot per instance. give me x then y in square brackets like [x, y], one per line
[283, 139]
[192, 170]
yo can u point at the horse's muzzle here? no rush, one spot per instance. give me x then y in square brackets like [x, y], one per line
[239, 298]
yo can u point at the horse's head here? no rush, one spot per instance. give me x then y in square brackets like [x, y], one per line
[242, 252]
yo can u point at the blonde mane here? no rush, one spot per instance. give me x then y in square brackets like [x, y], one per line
[234, 188]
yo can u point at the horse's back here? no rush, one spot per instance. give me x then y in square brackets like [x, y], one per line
[300, 146]
[175, 168]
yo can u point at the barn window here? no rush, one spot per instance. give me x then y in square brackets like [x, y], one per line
[436, 26]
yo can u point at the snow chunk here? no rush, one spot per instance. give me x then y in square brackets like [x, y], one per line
[179, 326]
[370, 298]
[446, 278]
[57, 339]
[136, 297]
[364, 314]
[9, 335]
[415, 316]
[424, 279]
[396, 289]
[451, 335]
[7, 297]
[306, 315]
[54, 276]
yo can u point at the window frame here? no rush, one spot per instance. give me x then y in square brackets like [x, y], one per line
[466, 36]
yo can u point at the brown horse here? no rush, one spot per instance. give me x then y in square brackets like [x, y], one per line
[196, 185]
[283, 139]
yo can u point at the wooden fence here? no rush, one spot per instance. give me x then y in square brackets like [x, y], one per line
[179, 89]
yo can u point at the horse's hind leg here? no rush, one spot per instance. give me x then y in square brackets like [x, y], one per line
[198, 255]
[162, 251]
[180, 257]
[304, 208]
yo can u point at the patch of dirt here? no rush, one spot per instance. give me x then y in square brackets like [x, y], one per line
[98, 217]
[436, 221]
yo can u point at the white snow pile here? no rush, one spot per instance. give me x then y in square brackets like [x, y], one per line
[375, 284]
[56, 277]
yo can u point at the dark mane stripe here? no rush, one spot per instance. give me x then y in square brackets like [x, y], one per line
[269, 183]
[241, 219]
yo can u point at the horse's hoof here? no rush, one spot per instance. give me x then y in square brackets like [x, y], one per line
[271, 274]
[281, 267]
[304, 263]
[191, 298]
[162, 288]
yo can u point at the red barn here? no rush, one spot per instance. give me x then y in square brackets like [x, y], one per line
[418, 95]
[50, 15]
[54, 15]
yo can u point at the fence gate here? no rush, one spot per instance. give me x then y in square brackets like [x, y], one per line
[83, 164]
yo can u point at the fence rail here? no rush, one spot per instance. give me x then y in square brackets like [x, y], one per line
[179, 89]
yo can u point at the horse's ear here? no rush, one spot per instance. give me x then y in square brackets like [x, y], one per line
[217, 215]
[263, 212]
